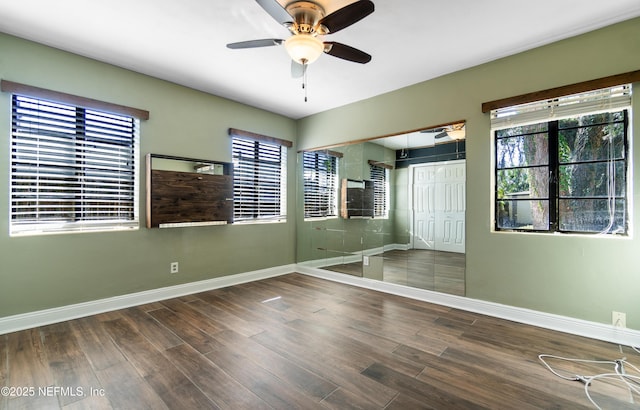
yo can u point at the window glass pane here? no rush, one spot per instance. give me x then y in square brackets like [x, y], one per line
[379, 178]
[592, 215]
[259, 180]
[591, 119]
[523, 129]
[584, 142]
[522, 151]
[522, 183]
[523, 214]
[71, 168]
[320, 184]
[581, 177]
[601, 179]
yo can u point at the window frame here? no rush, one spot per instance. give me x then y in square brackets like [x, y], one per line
[259, 142]
[322, 174]
[22, 96]
[555, 164]
[380, 189]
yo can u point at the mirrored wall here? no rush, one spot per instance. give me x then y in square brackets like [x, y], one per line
[389, 209]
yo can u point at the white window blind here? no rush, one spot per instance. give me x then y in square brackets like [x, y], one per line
[72, 168]
[592, 102]
[320, 170]
[259, 179]
[379, 178]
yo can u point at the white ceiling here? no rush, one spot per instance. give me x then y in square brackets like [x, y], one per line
[410, 41]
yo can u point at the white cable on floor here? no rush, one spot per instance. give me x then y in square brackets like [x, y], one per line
[631, 382]
[624, 377]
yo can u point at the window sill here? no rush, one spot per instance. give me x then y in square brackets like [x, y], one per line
[627, 236]
[320, 218]
[259, 222]
[64, 231]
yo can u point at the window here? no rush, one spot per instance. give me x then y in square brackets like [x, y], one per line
[379, 176]
[562, 165]
[72, 168]
[320, 170]
[259, 179]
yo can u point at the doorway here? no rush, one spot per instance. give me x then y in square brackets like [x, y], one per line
[439, 206]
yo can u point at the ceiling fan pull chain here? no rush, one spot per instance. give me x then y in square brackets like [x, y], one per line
[304, 80]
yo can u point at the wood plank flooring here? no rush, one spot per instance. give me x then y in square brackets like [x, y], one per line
[300, 342]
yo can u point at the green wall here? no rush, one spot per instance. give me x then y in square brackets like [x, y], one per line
[581, 277]
[40, 272]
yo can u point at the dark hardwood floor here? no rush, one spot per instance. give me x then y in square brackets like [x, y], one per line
[300, 342]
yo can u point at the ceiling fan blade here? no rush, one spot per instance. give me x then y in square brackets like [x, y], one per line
[432, 130]
[346, 52]
[276, 11]
[347, 15]
[297, 69]
[265, 42]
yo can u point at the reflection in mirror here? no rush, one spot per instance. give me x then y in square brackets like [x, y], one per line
[166, 163]
[187, 192]
[390, 208]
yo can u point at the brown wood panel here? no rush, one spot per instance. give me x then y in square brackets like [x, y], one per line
[259, 137]
[585, 86]
[356, 202]
[31, 91]
[320, 344]
[177, 197]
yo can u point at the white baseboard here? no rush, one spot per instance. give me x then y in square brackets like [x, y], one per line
[46, 317]
[353, 257]
[600, 331]
[623, 336]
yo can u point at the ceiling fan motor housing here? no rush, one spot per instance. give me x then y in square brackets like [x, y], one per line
[306, 15]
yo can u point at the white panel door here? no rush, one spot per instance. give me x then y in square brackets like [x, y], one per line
[424, 214]
[450, 207]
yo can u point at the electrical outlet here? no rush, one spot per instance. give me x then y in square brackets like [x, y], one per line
[174, 267]
[619, 319]
[365, 260]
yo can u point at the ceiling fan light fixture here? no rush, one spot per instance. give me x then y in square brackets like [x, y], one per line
[456, 134]
[304, 48]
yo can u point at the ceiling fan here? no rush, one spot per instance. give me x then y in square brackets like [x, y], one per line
[453, 131]
[308, 24]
